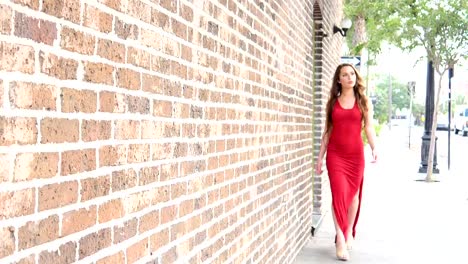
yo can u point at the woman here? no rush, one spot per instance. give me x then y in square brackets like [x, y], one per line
[348, 112]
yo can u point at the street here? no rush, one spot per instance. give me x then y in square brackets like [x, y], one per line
[404, 220]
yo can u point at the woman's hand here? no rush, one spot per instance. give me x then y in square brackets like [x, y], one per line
[374, 156]
[318, 167]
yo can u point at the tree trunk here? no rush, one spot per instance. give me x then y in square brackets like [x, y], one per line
[360, 34]
[430, 158]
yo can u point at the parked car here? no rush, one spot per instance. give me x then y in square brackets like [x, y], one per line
[460, 120]
[442, 123]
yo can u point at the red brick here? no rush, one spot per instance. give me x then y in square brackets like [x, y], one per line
[34, 4]
[93, 130]
[38, 232]
[17, 203]
[152, 129]
[97, 19]
[5, 19]
[16, 57]
[162, 108]
[59, 130]
[169, 256]
[5, 168]
[138, 250]
[30, 166]
[149, 221]
[168, 214]
[179, 29]
[57, 195]
[186, 12]
[75, 161]
[111, 50]
[78, 220]
[112, 155]
[17, 130]
[78, 101]
[77, 41]
[129, 79]
[136, 104]
[94, 187]
[31, 259]
[7, 240]
[169, 5]
[94, 242]
[98, 73]
[159, 239]
[110, 210]
[139, 58]
[125, 231]
[33, 96]
[61, 68]
[118, 257]
[127, 129]
[159, 19]
[39, 30]
[138, 153]
[152, 84]
[125, 31]
[148, 175]
[66, 253]
[123, 179]
[67, 9]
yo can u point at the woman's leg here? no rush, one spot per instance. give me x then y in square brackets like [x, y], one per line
[340, 243]
[352, 211]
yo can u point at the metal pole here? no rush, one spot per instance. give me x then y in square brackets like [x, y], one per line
[389, 101]
[450, 76]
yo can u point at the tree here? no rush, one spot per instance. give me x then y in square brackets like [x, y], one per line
[441, 27]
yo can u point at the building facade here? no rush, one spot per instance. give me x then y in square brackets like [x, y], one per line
[162, 131]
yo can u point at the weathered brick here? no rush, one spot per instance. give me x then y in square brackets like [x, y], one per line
[94, 242]
[112, 155]
[137, 104]
[17, 203]
[125, 231]
[148, 175]
[38, 232]
[34, 4]
[169, 5]
[59, 130]
[111, 50]
[67, 9]
[78, 220]
[2, 88]
[94, 187]
[16, 57]
[5, 19]
[78, 101]
[149, 221]
[110, 210]
[129, 79]
[97, 19]
[152, 129]
[31, 259]
[138, 250]
[92, 130]
[4, 168]
[179, 29]
[169, 256]
[162, 108]
[159, 19]
[139, 58]
[168, 214]
[124, 30]
[30, 166]
[138, 153]
[98, 73]
[17, 130]
[7, 240]
[123, 179]
[58, 194]
[75, 161]
[152, 83]
[61, 68]
[186, 12]
[33, 96]
[66, 253]
[127, 129]
[39, 30]
[77, 41]
[118, 257]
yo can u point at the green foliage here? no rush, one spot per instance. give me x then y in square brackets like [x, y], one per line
[400, 98]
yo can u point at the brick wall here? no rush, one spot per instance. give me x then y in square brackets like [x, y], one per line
[155, 131]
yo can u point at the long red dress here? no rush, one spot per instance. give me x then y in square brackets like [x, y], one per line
[345, 162]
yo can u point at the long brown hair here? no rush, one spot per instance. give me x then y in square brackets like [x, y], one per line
[335, 92]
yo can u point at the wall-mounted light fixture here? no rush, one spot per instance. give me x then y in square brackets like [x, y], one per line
[345, 25]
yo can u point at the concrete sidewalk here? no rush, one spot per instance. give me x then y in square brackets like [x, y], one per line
[402, 220]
